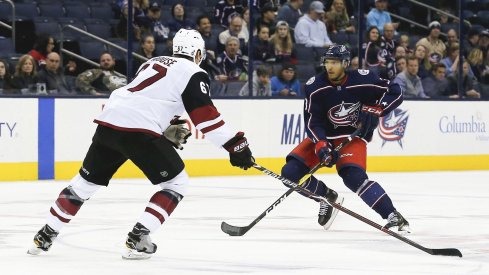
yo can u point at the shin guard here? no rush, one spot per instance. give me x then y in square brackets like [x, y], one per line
[159, 208]
[369, 191]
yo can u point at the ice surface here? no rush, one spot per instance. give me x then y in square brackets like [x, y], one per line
[445, 209]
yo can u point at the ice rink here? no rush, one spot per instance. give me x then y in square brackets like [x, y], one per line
[445, 210]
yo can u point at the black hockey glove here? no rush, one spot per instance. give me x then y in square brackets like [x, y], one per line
[176, 133]
[239, 152]
[326, 154]
[368, 120]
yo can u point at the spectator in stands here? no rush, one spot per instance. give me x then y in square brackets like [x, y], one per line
[235, 31]
[374, 59]
[379, 16]
[179, 20]
[410, 81]
[451, 61]
[476, 62]
[354, 65]
[157, 28]
[388, 42]
[263, 50]
[282, 44]
[42, 47]
[310, 29]
[231, 62]
[337, 19]
[261, 83]
[484, 80]
[469, 85]
[147, 49]
[451, 38]
[471, 42]
[436, 85]
[285, 83]
[401, 64]
[204, 27]
[121, 28]
[4, 76]
[400, 52]
[25, 77]
[245, 22]
[267, 17]
[226, 10]
[404, 41]
[433, 42]
[100, 81]
[421, 54]
[484, 40]
[290, 12]
[52, 75]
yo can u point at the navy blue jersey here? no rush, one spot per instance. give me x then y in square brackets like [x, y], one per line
[332, 112]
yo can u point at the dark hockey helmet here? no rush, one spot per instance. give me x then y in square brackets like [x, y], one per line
[337, 52]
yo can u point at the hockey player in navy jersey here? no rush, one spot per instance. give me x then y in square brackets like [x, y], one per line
[138, 123]
[336, 103]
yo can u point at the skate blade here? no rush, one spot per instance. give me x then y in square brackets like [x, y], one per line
[34, 250]
[339, 201]
[131, 254]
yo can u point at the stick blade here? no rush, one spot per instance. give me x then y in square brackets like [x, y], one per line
[232, 230]
[447, 252]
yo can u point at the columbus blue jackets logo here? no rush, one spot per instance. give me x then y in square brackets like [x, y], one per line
[393, 126]
[344, 114]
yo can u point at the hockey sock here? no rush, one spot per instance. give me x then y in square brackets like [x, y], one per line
[159, 208]
[370, 192]
[64, 208]
[294, 170]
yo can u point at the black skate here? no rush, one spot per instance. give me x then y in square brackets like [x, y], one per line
[138, 244]
[43, 240]
[395, 219]
[327, 213]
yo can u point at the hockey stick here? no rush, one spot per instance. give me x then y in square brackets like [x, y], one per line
[432, 251]
[241, 230]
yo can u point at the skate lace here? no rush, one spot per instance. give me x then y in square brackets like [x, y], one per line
[393, 219]
[323, 207]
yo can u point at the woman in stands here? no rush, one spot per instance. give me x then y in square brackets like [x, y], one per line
[179, 20]
[282, 43]
[4, 76]
[373, 50]
[337, 19]
[42, 47]
[147, 49]
[421, 53]
[25, 77]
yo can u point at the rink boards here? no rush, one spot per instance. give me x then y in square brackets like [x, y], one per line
[47, 138]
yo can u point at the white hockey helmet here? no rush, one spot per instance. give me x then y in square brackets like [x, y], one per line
[188, 42]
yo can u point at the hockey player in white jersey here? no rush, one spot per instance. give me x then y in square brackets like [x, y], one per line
[138, 123]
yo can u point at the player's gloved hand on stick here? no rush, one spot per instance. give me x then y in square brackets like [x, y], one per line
[368, 120]
[326, 154]
[176, 133]
[239, 152]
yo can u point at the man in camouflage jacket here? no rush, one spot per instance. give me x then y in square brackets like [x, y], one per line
[100, 81]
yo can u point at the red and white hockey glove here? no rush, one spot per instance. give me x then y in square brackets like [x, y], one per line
[239, 152]
[325, 153]
[176, 133]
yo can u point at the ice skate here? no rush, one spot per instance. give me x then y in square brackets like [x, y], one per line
[396, 220]
[327, 213]
[43, 240]
[138, 244]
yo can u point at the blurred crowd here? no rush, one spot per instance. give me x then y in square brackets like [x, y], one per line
[286, 44]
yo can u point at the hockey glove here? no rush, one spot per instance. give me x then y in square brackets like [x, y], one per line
[239, 152]
[325, 153]
[368, 120]
[176, 133]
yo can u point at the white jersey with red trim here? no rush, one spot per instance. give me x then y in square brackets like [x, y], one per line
[163, 88]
